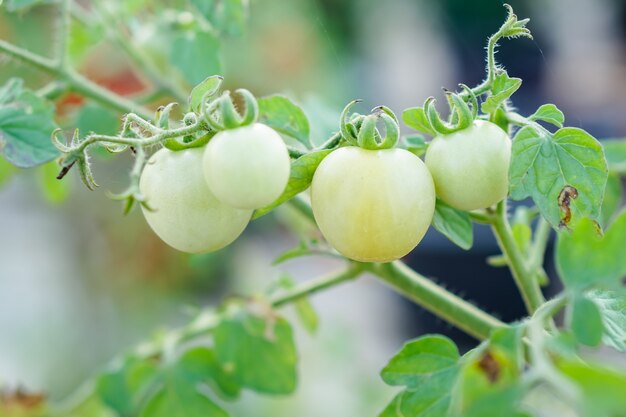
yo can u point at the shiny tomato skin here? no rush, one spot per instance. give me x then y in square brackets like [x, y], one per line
[247, 167]
[185, 214]
[471, 167]
[373, 205]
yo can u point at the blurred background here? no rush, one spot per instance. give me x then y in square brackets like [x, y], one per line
[80, 283]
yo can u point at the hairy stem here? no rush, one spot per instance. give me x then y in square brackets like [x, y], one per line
[74, 81]
[523, 275]
[436, 299]
[313, 286]
[64, 33]
[538, 249]
[425, 292]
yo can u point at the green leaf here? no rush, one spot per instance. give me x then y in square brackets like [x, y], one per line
[602, 389]
[612, 200]
[284, 116]
[195, 54]
[487, 385]
[415, 118]
[565, 174]
[26, 125]
[180, 397]
[613, 310]
[509, 340]
[455, 224]
[615, 151]
[428, 367]
[430, 400]
[428, 358]
[209, 84]
[300, 177]
[200, 365]
[258, 352]
[586, 321]
[415, 144]
[584, 258]
[228, 16]
[503, 88]
[549, 113]
[124, 387]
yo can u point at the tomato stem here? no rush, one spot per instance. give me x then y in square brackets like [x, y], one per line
[316, 285]
[436, 299]
[425, 292]
[75, 81]
[523, 274]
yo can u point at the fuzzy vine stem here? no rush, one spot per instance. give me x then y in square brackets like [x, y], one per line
[512, 28]
[523, 274]
[434, 298]
[425, 292]
[64, 33]
[74, 81]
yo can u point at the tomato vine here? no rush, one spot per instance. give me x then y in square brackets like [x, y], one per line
[564, 172]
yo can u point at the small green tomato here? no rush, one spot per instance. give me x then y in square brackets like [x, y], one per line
[373, 205]
[247, 167]
[471, 167]
[185, 214]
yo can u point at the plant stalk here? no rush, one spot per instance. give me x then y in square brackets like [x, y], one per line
[436, 299]
[524, 276]
[75, 81]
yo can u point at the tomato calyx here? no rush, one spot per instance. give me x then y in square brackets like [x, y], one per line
[221, 114]
[462, 113]
[362, 131]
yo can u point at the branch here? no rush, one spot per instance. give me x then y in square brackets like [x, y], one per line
[316, 285]
[424, 292]
[75, 81]
[524, 277]
[436, 299]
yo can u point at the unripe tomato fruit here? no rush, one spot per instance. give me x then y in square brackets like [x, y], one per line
[373, 205]
[247, 167]
[186, 215]
[471, 167]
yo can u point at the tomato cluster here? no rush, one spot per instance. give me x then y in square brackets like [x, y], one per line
[372, 203]
[201, 199]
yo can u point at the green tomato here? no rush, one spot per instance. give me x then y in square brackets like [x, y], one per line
[247, 167]
[373, 205]
[471, 167]
[185, 214]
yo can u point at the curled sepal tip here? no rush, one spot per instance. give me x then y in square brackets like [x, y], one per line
[73, 155]
[463, 115]
[346, 126]
[473, 100]
[369, 136]
[221, 114]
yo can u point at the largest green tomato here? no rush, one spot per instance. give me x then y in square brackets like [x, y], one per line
[373, 205]
[471, 167]
[185, 214]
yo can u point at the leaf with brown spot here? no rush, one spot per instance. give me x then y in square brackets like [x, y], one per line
[545, 165]
[490, 366]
